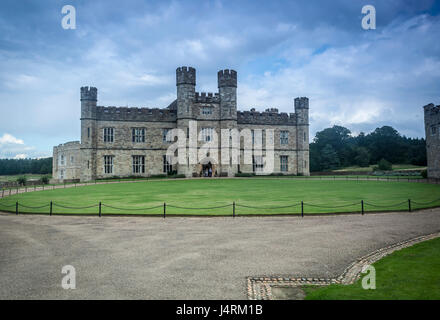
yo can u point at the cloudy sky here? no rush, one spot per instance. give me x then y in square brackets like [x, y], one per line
[130, 49]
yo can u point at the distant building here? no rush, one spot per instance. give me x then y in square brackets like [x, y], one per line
[133, 141]
[432, 132]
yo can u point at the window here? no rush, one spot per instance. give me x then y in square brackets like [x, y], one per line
[165, 136]
[305, 137]
[207, 134]
[72, 159]
[138, 135]
[305, 164]
[257, 163]
[88, 164]
[62, 174]
[284, 137]
[108, 164]
[62, 160]
[206, 110]
[284, 164]
[108, 135]
[433, 130]
[138, 164]
[256, 133]
[167, 164]
[88, 133]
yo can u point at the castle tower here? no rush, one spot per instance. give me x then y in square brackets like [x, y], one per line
[227, 87]
[89, 98]
[186, 89]
[302, 135]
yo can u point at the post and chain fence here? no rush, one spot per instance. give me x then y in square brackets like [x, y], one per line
[234, 209]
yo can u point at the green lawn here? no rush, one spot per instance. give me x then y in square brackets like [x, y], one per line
[411, 273]
[319, 196]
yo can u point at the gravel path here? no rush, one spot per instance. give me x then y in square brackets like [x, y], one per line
[186, 258]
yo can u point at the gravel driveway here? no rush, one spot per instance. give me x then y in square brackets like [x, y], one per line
[186, 258]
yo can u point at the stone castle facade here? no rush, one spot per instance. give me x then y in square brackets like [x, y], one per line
[432, 133]
[126, 142]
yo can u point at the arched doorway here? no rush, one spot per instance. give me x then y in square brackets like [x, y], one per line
[207, 169]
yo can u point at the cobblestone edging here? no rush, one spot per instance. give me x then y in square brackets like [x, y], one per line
[260, 288]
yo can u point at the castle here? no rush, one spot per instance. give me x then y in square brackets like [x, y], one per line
[125, 142]
[432, 134]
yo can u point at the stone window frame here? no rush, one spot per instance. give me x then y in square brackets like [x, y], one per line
[284, 163]
[433, 130]
[284, 137]
[253, 136]
[108, 134]
[206, 110]
[207, 134]
[61, 174]
[72, 159]
[138, 135]
[138, 164]
[62, 160]
[108, 164]
[167, 163]
[165, 137]
[257, 166]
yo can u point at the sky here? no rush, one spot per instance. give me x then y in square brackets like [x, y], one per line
[129, 50]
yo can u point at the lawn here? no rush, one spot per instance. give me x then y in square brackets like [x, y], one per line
[252, 196]
[411, 273]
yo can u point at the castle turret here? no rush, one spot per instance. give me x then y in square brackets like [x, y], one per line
[186, 88]
[89, 99]
[302, 135]
[227, 87]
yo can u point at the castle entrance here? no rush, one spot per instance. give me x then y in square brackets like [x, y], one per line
[207, 170]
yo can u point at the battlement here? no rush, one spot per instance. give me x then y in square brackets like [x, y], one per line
[302, 103]
[135, 114]
[89, 93]
[432, 108]
[227, 78]
[185, 75]
[270, 116]
[207, 97]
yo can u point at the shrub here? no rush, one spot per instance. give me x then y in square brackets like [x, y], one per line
[424, 173]
[44, 180]
[245, 174]
[158, 176]
[385, 165]
[22, 181]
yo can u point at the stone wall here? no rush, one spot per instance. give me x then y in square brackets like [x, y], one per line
[66, 161]
[432, 133]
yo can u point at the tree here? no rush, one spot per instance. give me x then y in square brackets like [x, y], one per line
[329, 158]
[362, 158]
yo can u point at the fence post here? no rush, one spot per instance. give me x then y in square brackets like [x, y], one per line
[302, 209]
[43, 187]
[164, 210]
[409, 205]
[16, 208]
[362, 204]
[100, 208]
[50, 208]
[233, 209]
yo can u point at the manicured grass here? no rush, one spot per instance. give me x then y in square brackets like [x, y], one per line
[411, 273]
[319, 196]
